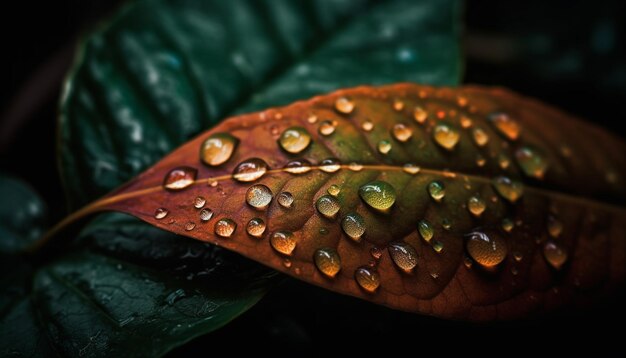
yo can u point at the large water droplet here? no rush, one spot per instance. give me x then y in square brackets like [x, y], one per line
[446, 136]
[554, 254]
[218, 148]
[353, 225]
[420, 115]
[403, 255]
[436, 190]
[532, 161]
[250, 170]
[225, 227]
[330, 165]
[199, 202]
[255, 227]
[294, 140]
[410, 168]
[180, 178]
[487, 250]
[344, 105]
[480, 137]
[384, 146]
[506, 125]
[426, 230]
[259, 196]
[283, 241]
[334, 190]
[476, 205]
[402, 132]
[160, 213]
[328, 205]
[378, 194]
[285, 199]
[327, 260]
[555, 227]
[299, 166]
[327, 128]
[206, 214]
[510, 190]
[367, 278]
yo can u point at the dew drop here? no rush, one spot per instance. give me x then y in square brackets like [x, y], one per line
[312, 119]
[367, 278]
[384, 146]
[480, 137]
[285, 199]
[283, 242]
[476, 205]
[503, 161]
[411, 168]
[487, 250]
[287, 263]
[420, 115]
[467, 262]
[554, 254]
[507, 224]
[190, 226]
[437, 246]
[330, 165]
[206, 214]
[225, 227]
[250, 170]
[355, 167]
[426, 230]
[446, 136]
[436, 190]
[255, 227]
[328, 206]
[259, 196]
[294, 140]
[344, 105]
[518, 256]
[160, 213]
[218, 148]
[506, 125]
[199, 202]
[299, 166]
[353, 225]
[378, 194]
[327, 128]
[376, 253]
[480, 161]
[402, 132]
[180, 178]
[398, 105]
[212, 182]
[532, 162]
[461, 101]
[555, 227]
[510, 190]
[403, 255]
[446, 223]
[334, 190]
[367, 126]
[466, 122]
[327, 260]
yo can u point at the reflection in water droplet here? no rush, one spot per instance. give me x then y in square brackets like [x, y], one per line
[344, 105]
[353, 225]
[403, 255]
[410, 168]
[480, 137]
[327, 128]
[554, 254]
[532, 161]
[426, 230]
[285, 199]
[206, 214]
[384, 146]
[299, 166]
[402, 132]
[367, 278]
[367, 126]
[199, 202]
[218, 148]
[555, 227]
[436, 190]
[398, 105]
[330, 165]
[250, 170]
[355, 167]
[476, 205]
[294, 140]
[334, 190]
[378, 194]
[510, 190]
[437, 246]
[255, 227]
[259, 196]
[180, 178]
[283, 242]
[487, 250]
[160, 213]
[327, 260]
[507, 224]
[446, 136]
[225, 227]
[506, 125]
[328, 205]
[190, 226]
[420, 115]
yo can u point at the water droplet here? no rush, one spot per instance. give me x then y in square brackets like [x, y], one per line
[199, 202]
[378, 194]
[446, 136]
[255, 227]
[420, 115]
[287, 263]
[294, 140]
[403, 255]
[518, 256]
[330, 165]
[426, 230]
[334, 190]
[446, 223]
[506, 125]
[323, 231]
[225, 227]
[160, 213]
[555, 227]
[532, 161]
[384, 146]
[510, 190]
[554, 254]
[355, 167]
[218, 148]
[344, 105]
[180, 178]
[328, 205]
[283, 241]
[206, 214]
[250, 170]
[398, 105]
[327, 128]
[507, 224]
[476, 205]
[299, 166]
[327, 260]
[466, 122]
[402, 132]
[441, 114]
[487, 250]
[410, 168]
[367, 278]
[285, 199]
[367, 126]
[312, 119]
[190, 226]
[480, 160]
[376, 252]
[437, 246]
[353, 225]
[436, 190]
[480, 137]
[461, 101]
[259, 196]
[212, 182]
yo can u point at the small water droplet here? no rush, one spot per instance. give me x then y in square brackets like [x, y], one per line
[467, 262]
[344, 105]
[476, 205]
[327, 128]
[480, 137]
[554, 254]
[532, 161]
[334, 190]
[384, 146]
[480, 160]
[410, 168]
[327, 260]
[353, 225]
[461, 101]
[487, 250]
[285, 199]
[426, 230]
[328, 206]
[330, 165]
[403, 255]
[199, 202]
[376, 252]
[206, 214]
[212, 182]
[218, 148]
[437, 246]
[259, 196]
[250, 170]
[506, 125]
[398, 105]
[503, 161]
[294, 140]
[378, 194]
[367, 126]
[466, 122]
[255, 227]
[446, 136]
[436, 190]
[402, 132]
[446, 223]
[299, 166]
[518, 256]
[160, 213]
[283, 242]
[287, 263]
[555, 227]
[510, 190]
[190, 226]
[367, 278]
[225, 227]
[420, 115]
[312, 119]
[180, 178]
[507, 224]
[355, 167]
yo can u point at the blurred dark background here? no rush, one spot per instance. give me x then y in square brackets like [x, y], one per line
[567, 53]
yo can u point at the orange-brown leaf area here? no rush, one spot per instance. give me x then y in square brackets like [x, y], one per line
[470, 203]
